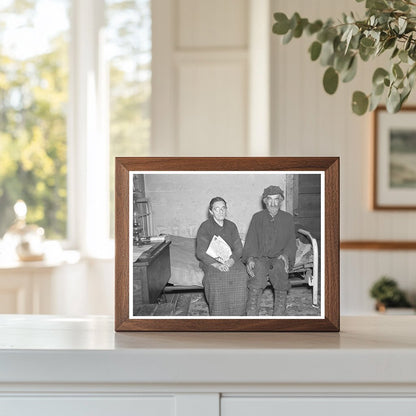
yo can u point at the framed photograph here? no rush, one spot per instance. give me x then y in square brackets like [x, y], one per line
[227, 244]
[394, 179]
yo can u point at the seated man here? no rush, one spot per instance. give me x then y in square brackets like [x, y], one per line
[269, 251]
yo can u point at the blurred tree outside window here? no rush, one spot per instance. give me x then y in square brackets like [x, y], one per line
[33, 101]
[34, 94]
[129, 52]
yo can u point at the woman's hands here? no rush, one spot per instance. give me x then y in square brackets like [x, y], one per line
[221, 267]
[224, 267]
[230, 262]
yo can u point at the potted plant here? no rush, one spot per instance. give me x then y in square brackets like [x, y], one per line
[387, 294]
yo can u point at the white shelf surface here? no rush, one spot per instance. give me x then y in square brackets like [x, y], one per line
[53, 349]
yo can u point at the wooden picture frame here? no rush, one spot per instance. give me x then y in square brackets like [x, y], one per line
[247, 174]
[394, 158]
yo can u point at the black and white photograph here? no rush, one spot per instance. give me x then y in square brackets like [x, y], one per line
[226, 244]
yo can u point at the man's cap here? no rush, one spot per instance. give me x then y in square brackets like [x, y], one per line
[273, 190]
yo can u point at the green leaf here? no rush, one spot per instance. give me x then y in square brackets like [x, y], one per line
[380, 49]
[412, 70]
[348, 34]
[367, 42]
[314, 27]
[402, 24]
[403, 56]
[359, 103]
[315, 50]
[400, 5]
[379, 75]
[355, 41]
[411, 77]
[393, 101]
[294, 20]
[281, 27]
[376, 4]
[395, 53]
[366, 53]
[337, 42]
[397, 71]
[322, 36]
[330, 80]
[332, 33]
[351, 18]
[351, 71]
[374, 101]
[378, 89]
[412, 52]
[394, 26]
[382, 19]
[288, 37]
[341, 61]
[404, 95]
[298, 30]
[389, 43]
[408, 42]
[327, 53]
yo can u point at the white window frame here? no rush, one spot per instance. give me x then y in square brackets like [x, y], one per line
[88, 136]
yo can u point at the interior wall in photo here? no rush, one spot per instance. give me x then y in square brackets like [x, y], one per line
[179, 202]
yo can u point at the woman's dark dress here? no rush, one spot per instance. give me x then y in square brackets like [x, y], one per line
[226, 292]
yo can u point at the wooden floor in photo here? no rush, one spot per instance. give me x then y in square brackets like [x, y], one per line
[193, 303]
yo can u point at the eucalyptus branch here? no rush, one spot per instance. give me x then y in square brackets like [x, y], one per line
[388, 26]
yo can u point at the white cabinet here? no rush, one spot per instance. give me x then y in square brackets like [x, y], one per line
[322, 406]
[71, 405]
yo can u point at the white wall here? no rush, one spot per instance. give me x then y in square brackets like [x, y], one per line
[200, 77]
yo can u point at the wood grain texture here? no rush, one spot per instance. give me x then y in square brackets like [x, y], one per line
[378, 245]
[331, 255]
[329, 165]
[121, 244]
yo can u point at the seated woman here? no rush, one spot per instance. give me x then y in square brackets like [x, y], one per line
[225, 283]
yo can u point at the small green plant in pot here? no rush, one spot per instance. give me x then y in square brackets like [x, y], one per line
[387, 294]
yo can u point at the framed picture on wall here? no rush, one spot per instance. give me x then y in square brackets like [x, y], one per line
[227, 244]
[394, 178]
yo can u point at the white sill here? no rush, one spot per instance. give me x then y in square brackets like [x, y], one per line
[56, 254]
[50, 261]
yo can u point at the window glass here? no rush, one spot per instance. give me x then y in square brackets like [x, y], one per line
[129, 47]
[33, 103]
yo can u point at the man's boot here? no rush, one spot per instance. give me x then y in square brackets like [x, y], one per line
[279, 302]
[253, 302]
